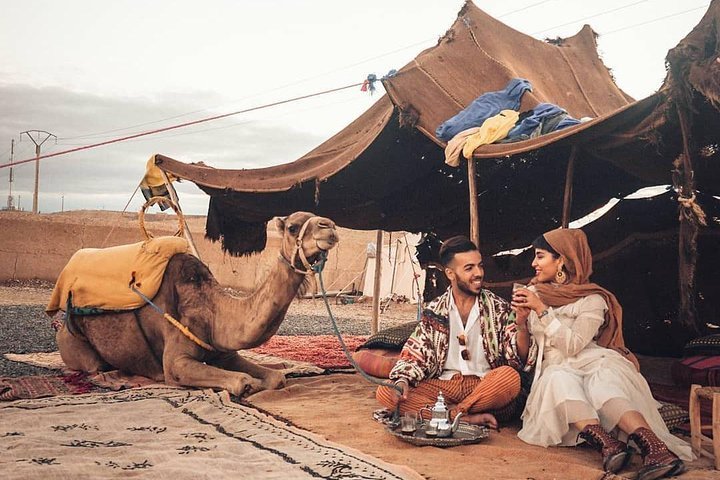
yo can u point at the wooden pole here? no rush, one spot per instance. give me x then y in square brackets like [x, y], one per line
[474, 219]
[567, 199]
[174, 198]
[374, 326]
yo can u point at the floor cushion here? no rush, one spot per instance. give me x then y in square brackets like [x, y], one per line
[376, 361]
[708, 345]
[392, 338]
[698, 369]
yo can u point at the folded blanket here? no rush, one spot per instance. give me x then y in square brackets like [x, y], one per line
[100, 277]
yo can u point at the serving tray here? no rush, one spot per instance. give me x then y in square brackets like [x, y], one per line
[464, 435]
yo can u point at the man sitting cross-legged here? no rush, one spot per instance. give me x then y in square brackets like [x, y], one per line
[466, 345]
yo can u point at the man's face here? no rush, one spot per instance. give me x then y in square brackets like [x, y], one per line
[466, 272]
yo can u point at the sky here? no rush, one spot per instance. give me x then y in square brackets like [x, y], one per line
[90, 71]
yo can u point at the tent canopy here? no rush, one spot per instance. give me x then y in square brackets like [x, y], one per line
[386, 169]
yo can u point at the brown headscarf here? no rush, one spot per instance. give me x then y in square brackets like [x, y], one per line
[572, 245]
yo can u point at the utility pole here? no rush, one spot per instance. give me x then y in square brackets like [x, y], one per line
[37, 160]
[12, 158]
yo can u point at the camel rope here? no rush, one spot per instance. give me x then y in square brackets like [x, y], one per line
[183, 329]
[166, 201]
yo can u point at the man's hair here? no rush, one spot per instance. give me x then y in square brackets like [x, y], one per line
[543, 244]
[454, 245]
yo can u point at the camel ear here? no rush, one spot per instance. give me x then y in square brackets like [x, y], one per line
[280, 223]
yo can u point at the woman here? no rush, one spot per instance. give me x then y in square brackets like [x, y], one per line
[586, 383]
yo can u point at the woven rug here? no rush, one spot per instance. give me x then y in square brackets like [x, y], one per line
[13, 388]
[321, 350]
[168, 433]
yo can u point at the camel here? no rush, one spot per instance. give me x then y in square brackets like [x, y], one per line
[143, 342]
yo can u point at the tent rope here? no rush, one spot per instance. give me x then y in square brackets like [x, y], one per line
[691, 208]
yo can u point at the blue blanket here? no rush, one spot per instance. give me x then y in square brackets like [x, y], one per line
[485, 106]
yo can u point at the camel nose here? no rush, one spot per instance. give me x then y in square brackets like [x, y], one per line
[325, 223]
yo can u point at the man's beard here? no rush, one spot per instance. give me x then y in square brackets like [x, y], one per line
[467, 288]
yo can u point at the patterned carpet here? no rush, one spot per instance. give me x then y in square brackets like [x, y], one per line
[168, 433]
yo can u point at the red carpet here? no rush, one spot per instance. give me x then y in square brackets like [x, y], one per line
[321, 350]
[13, 388]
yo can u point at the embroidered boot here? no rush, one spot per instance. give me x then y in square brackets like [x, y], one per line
[658, 460]
[615, 454]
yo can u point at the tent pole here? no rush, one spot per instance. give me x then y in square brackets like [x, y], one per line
[174, 198]
[688, 231]
[374, 326]
[472, 188]
[567, 199]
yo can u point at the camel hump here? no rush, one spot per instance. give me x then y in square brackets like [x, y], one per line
[101, 277]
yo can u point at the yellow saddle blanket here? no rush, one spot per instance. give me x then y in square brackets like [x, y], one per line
[100, 277]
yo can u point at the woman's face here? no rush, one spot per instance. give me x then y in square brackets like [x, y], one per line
[545, 265]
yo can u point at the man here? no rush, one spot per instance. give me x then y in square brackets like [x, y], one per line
[467, 345]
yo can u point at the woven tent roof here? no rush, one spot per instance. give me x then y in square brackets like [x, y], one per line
[386, 169]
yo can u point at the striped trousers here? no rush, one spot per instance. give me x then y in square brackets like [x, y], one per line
[466, 394]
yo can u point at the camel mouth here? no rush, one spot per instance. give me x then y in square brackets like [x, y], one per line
[325, 244]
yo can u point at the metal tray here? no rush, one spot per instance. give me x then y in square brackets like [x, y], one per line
[464, 435]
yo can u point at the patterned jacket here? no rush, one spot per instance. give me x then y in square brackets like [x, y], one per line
[424, 353]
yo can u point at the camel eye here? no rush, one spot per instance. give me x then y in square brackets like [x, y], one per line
[292, 229]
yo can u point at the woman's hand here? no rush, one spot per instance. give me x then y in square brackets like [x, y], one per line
[521, 316]
[528, 300]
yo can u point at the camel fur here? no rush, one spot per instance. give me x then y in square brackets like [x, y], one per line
[143, 342]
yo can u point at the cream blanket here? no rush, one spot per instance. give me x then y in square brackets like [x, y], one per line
[166, 433]
[100, 277]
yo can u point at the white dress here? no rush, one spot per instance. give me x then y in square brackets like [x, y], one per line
[576, 379]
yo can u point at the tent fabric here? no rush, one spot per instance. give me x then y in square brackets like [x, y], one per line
[385, 170]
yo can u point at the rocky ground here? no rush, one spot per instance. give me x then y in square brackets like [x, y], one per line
[25, 328]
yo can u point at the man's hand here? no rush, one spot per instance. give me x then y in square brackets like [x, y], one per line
[405, 386]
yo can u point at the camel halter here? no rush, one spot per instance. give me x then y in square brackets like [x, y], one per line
[310, 269]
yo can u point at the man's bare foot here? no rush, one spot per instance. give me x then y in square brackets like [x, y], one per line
[486, 419]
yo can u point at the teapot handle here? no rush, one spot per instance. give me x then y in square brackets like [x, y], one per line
[420, 417]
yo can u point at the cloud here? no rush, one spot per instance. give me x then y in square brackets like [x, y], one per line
[106, 176]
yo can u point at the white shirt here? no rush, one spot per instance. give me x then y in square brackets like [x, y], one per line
[454, 363]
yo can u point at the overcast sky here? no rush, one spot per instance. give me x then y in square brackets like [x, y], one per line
[90, 71]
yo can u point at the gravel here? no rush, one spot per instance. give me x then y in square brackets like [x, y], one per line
[24, 327]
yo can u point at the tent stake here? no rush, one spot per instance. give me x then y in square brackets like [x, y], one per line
[472, 188]
[374, 326]
[567, 199]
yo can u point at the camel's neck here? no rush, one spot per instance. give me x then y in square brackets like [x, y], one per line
[244, 323]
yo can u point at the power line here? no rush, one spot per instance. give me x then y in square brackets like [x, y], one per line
[656, 19]
[590, 16]
[522, 9]
[306, 79]
[173, 127]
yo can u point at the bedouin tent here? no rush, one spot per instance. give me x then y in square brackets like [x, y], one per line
[386, 169]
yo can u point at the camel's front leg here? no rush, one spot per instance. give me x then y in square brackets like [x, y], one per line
[188, 371]
[271, 379]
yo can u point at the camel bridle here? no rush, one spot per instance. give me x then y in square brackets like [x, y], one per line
[298, 252]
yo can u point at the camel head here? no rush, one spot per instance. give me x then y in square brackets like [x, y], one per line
[305, 234]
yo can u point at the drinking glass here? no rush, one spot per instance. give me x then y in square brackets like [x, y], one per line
[408, 423]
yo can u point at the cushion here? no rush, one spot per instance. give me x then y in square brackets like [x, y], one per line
[700, 369]
[709, 345]
[673, 415]
[392, 338]
[376, 361]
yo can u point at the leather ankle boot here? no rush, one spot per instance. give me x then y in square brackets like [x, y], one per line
[615, 454]
[658, 460]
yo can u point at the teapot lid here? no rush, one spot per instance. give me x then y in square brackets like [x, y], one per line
[440, 403]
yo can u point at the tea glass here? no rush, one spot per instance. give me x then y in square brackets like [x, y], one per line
[408, 423]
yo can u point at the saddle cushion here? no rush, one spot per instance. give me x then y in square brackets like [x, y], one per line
[100, 277]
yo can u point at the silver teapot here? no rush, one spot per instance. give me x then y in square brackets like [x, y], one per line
[439, 424]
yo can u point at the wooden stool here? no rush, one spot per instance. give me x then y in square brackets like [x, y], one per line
[698, 392]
